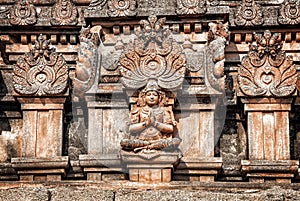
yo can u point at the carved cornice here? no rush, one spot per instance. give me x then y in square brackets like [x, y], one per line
[64, 12]
[41, 72]
[218, 38]
[266, 70]
[289, 12]
[185, 7]
[249, 14]
[118, 8]
[23, 13]
[152, 55]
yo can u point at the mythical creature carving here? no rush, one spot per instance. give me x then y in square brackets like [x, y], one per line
[249, 14]
[153, 54]
[266, 70]
[23, 13]
[289, 12]
[218, 37]
[87, 62]
[187, 7]
[153, 64]
[41, 72]
[117, 8]
[64, 12]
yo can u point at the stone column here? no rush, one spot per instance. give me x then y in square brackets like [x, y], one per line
[196, 128]
[269, 140]
[267, 81]
[40, 84]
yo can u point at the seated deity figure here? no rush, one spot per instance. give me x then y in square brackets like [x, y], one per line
[151, 122]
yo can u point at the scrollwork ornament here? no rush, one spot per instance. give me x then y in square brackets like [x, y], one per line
[289, 12]
[118, 8]
[41, 72]
[266, 70]
[97, 4]
[152, 54]
[249, 14]
[64, 12]
[23, 13]
[187, 7]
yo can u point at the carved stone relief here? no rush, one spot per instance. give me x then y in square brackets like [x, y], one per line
[23, 13]
[154, 63]
[97, 4]
[87, 62]
[289, 12]
[249, 14]
[118, 8]
[266, 70]
[41, 72]
[190, 7]
[218, 37]
[64, 12]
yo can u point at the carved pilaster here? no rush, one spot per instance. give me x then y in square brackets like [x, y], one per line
[23, 13]
[40, 84]
[267, 80]
[249, 14]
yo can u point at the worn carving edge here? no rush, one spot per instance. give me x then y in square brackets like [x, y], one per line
[289, 12]
[194, 59]
[87, 63]
[117, 8]
[266, 70]
[249, 14]
[218, 38]
[41, 72]
[97, 4]
[186, 7]
[64, 12]
[110, 61]
[152, 54]
[23, 13]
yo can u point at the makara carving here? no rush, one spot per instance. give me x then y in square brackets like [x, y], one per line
[154, 64]
[249, 14]
[266, 70]
[153, 54]
[41, 72]
[87, 62]
[23, 13]
[64, 12]
[218, 38]
[117, 8]
[289, 12]
[190, 7]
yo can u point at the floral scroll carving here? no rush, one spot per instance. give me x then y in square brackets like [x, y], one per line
[118, 8]
[266, 70]
[64, 12]
[249, 14]
[289, 12]
[23, 13]
[153, 54]
[190, 7]
[87, 62]
[41, 72]
[218, 37]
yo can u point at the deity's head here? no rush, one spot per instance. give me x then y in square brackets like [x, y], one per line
[151, 95]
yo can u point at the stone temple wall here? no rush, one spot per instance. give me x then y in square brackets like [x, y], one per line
[75, 114]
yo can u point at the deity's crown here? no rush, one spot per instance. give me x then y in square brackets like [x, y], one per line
[151, 86]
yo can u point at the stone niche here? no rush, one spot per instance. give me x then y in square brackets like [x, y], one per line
[151, 103]
[267, 81]
[40, 84]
